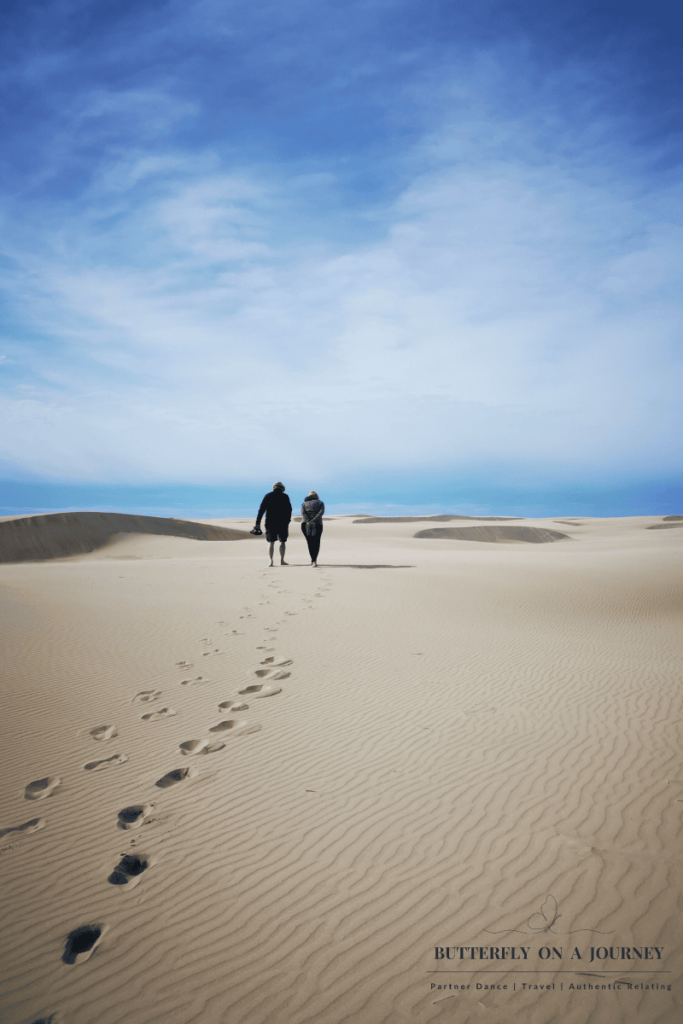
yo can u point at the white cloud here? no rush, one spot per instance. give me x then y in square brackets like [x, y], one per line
[516, 311]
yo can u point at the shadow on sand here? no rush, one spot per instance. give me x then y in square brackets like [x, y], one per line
[340, 565]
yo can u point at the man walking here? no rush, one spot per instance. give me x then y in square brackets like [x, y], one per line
[278, 511]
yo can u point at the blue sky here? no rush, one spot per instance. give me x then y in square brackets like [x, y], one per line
[410, 253]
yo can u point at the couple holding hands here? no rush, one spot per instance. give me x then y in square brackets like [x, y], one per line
[277, 509]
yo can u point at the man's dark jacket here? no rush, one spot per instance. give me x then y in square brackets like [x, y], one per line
[277, 508]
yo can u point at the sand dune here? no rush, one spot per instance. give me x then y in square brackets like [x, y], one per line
[495, 534]
[57, 535]
[240, 795]
[431, 519]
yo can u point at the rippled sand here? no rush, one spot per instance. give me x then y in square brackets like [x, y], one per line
[241, 795]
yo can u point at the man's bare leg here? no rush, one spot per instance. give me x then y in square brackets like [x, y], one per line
[270, 552]
[282, 554]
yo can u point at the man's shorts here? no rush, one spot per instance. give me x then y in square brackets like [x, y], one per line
[277, 531]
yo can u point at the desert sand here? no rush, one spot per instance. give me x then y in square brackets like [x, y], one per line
[233, 794]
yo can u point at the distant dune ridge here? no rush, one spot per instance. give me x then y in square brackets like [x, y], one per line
[495, 534]
[667, 525]
[433, 519]
[59, 534]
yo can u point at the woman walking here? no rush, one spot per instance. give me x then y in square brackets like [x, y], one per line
[312, 511]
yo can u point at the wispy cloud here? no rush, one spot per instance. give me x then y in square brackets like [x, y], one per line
[509, 298]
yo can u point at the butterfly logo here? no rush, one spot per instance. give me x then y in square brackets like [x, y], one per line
[545, 918]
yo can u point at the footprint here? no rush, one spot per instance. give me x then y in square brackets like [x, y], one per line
[200, 747]
[236, 725]
[108, 762]
[129, 870]
[262, 690]
[81, 943]
[146, 696]
[193, 746]
[183, 664]
[34, 825]
[42, 788]
[176, 776]
[154, 716]
[231, 705]
[104, 732]
[274, 660]
[270, 673]
[189, 682]
[133, 816]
